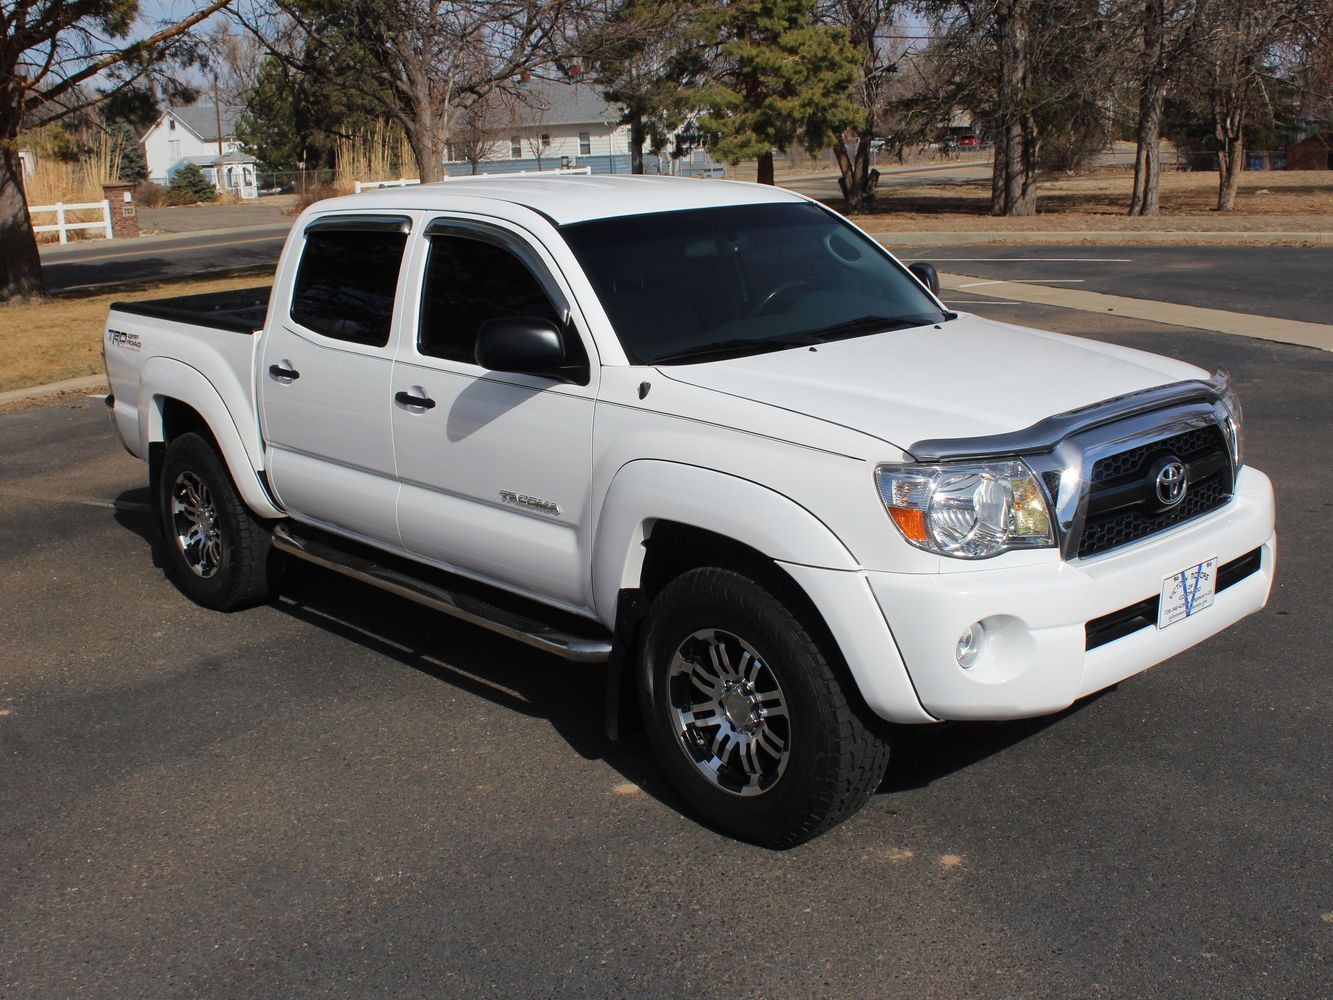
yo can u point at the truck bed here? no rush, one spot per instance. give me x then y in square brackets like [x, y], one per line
[240, 310]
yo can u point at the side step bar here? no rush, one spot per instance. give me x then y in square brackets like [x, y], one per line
[471, 609]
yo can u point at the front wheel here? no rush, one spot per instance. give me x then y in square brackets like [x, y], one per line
[218, 551]
[746, 714]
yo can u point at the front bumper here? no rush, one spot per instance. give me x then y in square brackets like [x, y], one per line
[1036, 661]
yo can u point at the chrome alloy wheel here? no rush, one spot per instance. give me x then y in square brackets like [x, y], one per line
[194, 520]
[728, 712]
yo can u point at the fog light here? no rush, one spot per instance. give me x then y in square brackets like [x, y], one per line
[970, 645]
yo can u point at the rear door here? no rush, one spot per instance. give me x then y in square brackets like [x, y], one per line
[325, 378]
[495, 467]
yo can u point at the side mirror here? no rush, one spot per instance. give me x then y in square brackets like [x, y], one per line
[927, 274]
[526, 344]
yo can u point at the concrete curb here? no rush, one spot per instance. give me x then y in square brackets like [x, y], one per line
[1282, 331]
[1064, 238]
[85, 384]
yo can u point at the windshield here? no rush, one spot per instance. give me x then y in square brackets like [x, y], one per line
[691, 286]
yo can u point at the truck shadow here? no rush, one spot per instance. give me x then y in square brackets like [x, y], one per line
[570, 697]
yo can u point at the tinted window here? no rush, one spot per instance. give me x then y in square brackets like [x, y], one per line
[468, 282]
[346, 282]
[744, 279]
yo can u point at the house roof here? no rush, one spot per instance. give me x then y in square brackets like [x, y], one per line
[202, 120]
[211, 161]
[555, 102]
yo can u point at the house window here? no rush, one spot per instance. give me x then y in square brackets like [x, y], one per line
[515, 148]
[171, 124]
[585, 143]
[174, 148]
[546, 140]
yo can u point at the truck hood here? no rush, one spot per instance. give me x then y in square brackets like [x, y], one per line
[964, 378]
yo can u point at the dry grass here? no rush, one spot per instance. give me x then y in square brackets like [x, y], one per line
[1293, 200]
[62, 338]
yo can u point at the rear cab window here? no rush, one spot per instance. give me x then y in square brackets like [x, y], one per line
[348, 277]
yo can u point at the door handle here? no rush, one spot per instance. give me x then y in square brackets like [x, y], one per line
[277, 371]
[407, 399]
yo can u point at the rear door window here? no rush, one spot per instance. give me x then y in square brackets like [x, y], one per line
[346, 282]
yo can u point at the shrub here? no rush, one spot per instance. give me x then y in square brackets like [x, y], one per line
[313, 193]
[189, 185]
[150, 195]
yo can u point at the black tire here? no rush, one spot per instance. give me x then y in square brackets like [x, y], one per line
[217, 551]
[718, 751]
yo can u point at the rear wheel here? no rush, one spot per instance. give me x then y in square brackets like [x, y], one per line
[746, 713]
[218, 552]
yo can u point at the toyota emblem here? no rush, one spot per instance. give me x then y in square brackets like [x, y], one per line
[1171, 483]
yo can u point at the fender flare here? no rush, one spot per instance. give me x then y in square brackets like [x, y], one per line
[164, 378]
[649, 490]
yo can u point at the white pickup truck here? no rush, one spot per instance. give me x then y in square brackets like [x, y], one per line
[714, 435]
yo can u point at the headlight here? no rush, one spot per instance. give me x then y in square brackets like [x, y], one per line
[1231, 427]
[969, 511]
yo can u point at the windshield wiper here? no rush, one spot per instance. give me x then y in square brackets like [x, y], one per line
[864, 324]
[738, 346]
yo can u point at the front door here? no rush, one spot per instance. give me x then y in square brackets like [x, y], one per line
[325, 379]
[495, 468]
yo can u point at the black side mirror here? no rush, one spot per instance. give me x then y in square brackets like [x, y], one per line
[527, 344]
[928, 275]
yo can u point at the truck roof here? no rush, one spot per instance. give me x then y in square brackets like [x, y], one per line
[576, 198]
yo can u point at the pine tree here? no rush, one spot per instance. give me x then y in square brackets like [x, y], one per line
[787, 81]
[189, 185]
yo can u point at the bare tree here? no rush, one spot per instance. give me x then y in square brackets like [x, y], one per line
[477, 133]
[1241, 49]
[423, 63]
[60, 57]
[1168, 32]
[875, 33]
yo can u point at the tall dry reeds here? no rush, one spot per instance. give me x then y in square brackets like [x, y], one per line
[379, 152]
[72, 182]
[54, 179]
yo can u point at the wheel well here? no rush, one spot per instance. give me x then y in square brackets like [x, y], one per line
[674, 548]
[177, 418]
[181, 418]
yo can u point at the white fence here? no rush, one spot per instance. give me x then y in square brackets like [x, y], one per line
[63, 228]
[408, 182]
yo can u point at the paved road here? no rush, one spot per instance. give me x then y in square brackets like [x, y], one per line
[1286, 282]
[342, 794]
[186, 256]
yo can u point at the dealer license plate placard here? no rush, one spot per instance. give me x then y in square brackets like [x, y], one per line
[1188, 592]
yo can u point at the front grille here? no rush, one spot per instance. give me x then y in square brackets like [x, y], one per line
[1128, 475]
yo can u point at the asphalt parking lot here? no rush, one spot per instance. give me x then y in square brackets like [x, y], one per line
[342, 794]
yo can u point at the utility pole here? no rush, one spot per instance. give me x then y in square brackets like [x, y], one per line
[217, 112]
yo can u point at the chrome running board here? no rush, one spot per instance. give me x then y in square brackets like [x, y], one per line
[466, 607]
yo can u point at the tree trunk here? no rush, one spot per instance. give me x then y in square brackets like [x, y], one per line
[428, 141]
[1229, 163]
[1148, 156]
[854, 175]
[636, 139]
[765, 175]
[999, 158]
[1014, 176]
[1230, 152]
[20, 265]
[1152, 97]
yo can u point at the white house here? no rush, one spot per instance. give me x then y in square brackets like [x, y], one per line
[190, 135]
[553, 123]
